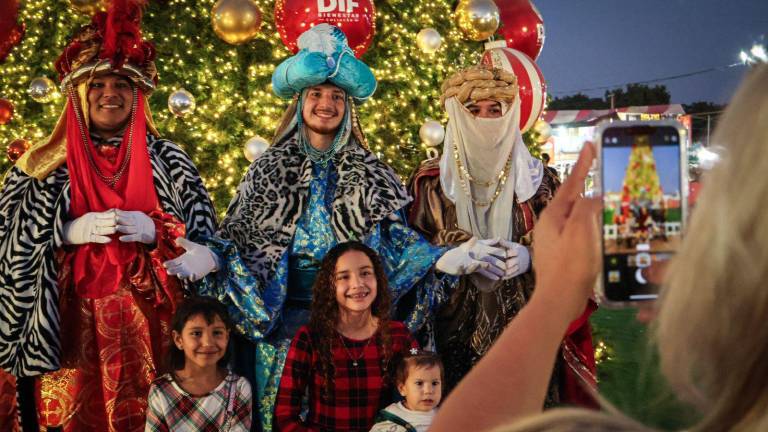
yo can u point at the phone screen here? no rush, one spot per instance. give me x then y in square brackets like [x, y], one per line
[642, 207]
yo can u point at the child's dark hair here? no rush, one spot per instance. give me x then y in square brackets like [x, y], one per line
[419, 360]
[209, 308]
[325, 310]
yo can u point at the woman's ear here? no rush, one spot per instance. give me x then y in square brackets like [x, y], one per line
[176, 339]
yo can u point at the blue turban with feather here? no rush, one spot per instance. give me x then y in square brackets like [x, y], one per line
[324, 56]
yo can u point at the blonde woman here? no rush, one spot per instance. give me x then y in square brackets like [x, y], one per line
[710, 330]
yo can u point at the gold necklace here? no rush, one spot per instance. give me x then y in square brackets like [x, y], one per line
[111, 181]
[472, 179]
[502, 179]
[362, 352]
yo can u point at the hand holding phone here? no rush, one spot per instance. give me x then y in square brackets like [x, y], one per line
[643, 183]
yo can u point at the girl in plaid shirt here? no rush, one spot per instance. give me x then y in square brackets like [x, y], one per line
[344, 358]
[200, 394]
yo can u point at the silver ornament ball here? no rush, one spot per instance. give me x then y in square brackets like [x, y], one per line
[432, 133]
[255, 147]
[181, 103]
[42, 89]
[429, 40]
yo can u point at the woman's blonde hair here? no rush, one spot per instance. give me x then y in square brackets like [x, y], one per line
[575, 420]
[711, 329]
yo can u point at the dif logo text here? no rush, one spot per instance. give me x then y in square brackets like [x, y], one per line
[326, 6]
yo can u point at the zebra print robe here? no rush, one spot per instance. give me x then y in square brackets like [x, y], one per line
[32, 217]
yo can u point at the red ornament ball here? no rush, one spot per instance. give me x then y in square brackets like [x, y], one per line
[11, 32]
[521, 26]
[17, 148]
[532, 87]
[356, 18]
[6, 111]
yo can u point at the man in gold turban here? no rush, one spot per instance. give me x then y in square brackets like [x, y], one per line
[488, 186]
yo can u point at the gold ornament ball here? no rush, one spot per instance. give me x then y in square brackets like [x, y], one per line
[42, 89]
[255, 147]
[181, 103]
[477, 19]
[236, 21]
[88, 7]
[429, 40]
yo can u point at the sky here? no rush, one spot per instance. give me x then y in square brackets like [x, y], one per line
[667, 160]
[597, 43]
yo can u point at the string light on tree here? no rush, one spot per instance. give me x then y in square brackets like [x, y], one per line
[88, 7]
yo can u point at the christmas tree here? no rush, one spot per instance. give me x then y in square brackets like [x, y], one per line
[641, 181]
[231, 83]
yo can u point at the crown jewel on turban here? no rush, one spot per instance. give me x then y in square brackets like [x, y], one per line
[324, 56]
[111, 43]
[480, 82]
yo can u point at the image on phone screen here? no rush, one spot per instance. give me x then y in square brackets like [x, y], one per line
[642, 207]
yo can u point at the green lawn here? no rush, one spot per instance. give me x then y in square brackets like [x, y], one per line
[629, 377]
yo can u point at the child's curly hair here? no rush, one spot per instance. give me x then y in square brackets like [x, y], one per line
[325, 311]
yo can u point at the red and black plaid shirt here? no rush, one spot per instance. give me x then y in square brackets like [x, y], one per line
[359, 391]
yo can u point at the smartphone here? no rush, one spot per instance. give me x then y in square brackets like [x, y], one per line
[642, 178]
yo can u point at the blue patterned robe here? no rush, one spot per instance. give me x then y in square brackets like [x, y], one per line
[263, 308]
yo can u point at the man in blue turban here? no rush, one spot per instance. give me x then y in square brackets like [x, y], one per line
[316, 186]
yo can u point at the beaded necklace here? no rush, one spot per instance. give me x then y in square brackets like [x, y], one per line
[500, 179]
[112, 180]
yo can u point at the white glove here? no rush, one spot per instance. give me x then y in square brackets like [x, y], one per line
[474, 256]
[138, 226]
[518, 259]
[93, 227]
[194, 264]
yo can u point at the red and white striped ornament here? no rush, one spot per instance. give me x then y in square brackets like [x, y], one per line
[532, 87]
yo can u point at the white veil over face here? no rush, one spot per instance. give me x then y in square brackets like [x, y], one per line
[489, 150]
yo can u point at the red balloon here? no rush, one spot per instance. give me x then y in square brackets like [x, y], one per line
[6, 111]
[10, 31]
[17, 148]
[521, 26]
[356, 18]
[532, 87]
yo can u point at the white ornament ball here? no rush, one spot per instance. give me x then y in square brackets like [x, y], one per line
[42, 89]
[429, 40]
[181, 103]
[255, 147]
[432, 133]
[543, 129]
